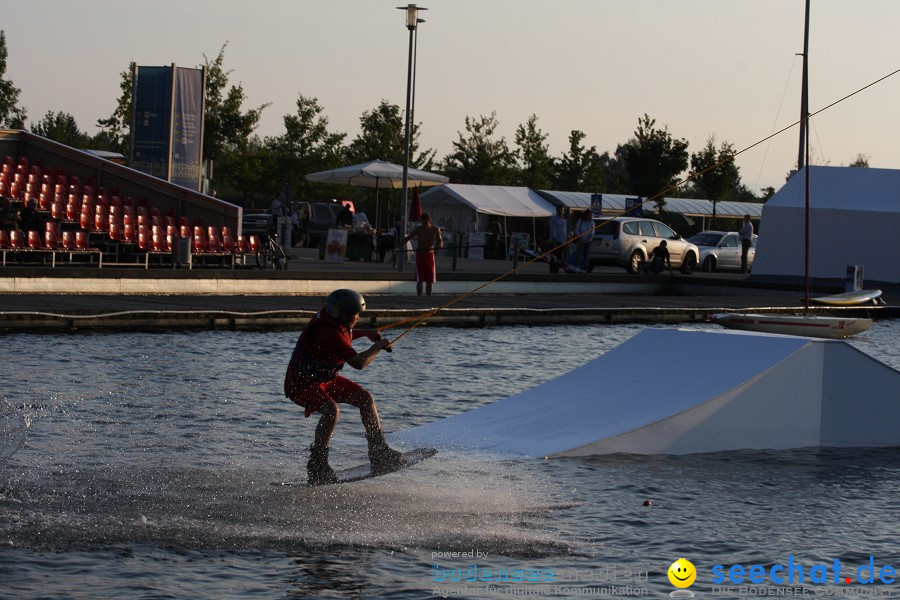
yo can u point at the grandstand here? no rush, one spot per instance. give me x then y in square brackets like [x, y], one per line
[82, 206]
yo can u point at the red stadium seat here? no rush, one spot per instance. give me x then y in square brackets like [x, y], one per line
[17, 239]
[51, 241]
[35, 241]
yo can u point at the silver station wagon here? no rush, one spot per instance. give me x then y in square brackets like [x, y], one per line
[628, 241]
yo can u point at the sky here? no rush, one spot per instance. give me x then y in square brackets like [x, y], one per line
[701, 68]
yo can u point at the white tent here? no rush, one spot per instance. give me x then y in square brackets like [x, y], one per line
[854, 220]
[452, 205]
[753, 391]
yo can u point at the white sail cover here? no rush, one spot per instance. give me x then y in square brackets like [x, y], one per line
[678, 392]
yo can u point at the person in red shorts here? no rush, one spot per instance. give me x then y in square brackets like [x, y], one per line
[313, 382]
[428, 237]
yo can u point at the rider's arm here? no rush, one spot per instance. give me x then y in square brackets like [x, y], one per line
[365, 358]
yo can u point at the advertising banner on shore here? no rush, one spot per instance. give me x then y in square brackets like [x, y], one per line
[167, 123]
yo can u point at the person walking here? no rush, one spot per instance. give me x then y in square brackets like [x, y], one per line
[559, 235]
[584, 233]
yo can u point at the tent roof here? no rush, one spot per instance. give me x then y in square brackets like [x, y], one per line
[685, 206]
[497, 200]
[848, 188]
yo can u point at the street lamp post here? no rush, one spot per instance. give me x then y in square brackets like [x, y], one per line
[412, 23]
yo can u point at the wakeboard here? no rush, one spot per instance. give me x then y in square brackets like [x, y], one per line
[851, 298]
[363, 472]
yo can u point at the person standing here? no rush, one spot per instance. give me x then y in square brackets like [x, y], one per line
[559, 235]
[428, 237]
[584, 234]
[746, 235]
[277, 207]
[493, 245]
[313, 382]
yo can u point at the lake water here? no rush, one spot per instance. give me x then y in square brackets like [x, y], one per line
[140, 466]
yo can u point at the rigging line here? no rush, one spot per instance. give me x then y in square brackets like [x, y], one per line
[775, 123]
[418, 320]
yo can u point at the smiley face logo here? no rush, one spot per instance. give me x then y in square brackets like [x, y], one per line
[682, 573]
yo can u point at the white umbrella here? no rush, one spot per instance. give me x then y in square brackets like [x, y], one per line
[377, 174]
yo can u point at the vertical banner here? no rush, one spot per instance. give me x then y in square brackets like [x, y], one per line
[150, 129]
[167, 123]
[187, 128]
[597, 205]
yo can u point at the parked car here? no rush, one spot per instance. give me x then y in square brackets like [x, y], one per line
[721, 250]
[257, 223]
[323, 217]
[628, 241]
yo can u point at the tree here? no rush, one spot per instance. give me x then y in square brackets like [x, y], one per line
[537, 168]
[61, 127]
[115, 131]
[581, 169]
[306, 146]
[479, 158]
[11, 115]
[714, 173]
[226, 127]
[382, 137]
[861, 160]
[653, 159]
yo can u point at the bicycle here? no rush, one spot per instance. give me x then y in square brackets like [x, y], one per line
[271, 255]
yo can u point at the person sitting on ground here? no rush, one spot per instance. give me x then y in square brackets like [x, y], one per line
[659, 259]
[428, 237]
[312, 381]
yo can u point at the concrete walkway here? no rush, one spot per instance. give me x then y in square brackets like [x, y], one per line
[67, 298]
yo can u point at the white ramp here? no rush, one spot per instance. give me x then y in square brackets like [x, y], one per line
[677, 392]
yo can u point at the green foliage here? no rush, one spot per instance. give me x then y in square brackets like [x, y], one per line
[653, 159]
[306, 147]
[381, 136]
[861, 161]
[61, 127]
[115, 131]
[226, 128]
[11, 114]
[580, 169]
[479, 158]
[536, 169]
[714, 174]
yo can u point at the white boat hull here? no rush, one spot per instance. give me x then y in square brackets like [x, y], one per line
[805, 325]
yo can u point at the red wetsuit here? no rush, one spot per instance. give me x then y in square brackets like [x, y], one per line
[312, 375]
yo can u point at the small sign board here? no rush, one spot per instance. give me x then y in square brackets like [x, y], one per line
[336, 245]
[476, 245]
[634, 207]
[518, 242]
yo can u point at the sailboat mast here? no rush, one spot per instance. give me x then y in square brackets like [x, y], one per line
[804, 93]
[803, 159]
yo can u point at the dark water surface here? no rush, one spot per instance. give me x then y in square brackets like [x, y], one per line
[140, 466]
